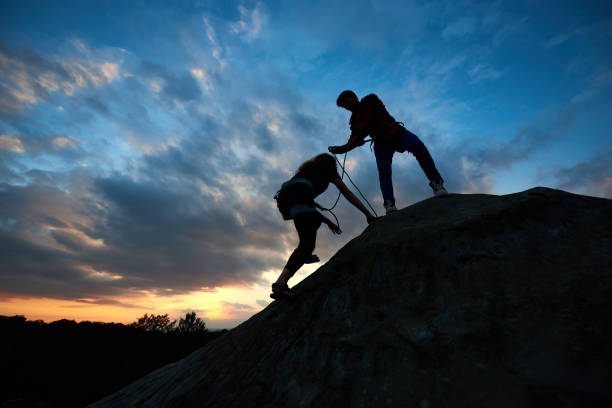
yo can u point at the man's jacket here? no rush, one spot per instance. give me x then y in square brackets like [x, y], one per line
[371, 118]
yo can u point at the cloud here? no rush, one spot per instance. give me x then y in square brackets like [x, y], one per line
[11, 101]
[482, 72]
[315, 27]
[199, 213]
[155, 233]
[32, 77]
[21, 151]
[210, 30]
[63, 142]
[250, 24]
[236, 306]
[594, 87]
[527, 141]
[472, 165]
[593, 177]
[445, 68]
[48, 236]
[180, 86]
[11, 143]
[230, 314]
[203, 78]
[459, 28]
[562, 38]
[558, 40]
[509, 30]
[30, 269]
[96, 105]
[108, 302]
[74, 239]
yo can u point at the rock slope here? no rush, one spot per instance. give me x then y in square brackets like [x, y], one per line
[462, 301]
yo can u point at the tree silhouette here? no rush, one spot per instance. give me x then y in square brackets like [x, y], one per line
[191, 324]
[155, 323]
[137, 349]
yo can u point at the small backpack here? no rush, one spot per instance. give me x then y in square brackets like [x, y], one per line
[284, 203]
[381, 121]
[286, 198]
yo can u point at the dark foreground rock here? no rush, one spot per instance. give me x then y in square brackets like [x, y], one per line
[462, 301]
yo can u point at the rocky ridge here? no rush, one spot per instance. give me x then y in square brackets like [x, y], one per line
[463, 301]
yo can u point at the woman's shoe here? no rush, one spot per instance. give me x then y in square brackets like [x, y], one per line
[281, 292]
[312, 258]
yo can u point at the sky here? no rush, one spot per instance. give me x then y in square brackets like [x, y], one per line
[142, 142]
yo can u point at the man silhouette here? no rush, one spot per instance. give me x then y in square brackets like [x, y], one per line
[370, 117]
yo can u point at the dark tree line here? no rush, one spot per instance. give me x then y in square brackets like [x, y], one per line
[70, 364]
[161, 323]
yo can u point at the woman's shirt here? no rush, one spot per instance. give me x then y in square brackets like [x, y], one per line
[318, 177]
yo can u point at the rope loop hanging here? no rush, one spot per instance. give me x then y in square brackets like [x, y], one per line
[342, 165]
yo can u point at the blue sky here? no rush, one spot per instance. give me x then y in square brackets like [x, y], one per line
[141, 142]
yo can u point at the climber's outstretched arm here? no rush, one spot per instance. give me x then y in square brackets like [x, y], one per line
[353, 142]
[353, 199]
[332, 225]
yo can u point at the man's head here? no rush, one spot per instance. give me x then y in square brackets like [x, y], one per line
[347, 100]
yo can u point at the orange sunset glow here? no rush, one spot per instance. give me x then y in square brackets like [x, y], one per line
[221, 308]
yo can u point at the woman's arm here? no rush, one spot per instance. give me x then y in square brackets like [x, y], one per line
[353, 199]
[332, 226]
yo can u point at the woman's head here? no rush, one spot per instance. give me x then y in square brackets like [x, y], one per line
[323, 163]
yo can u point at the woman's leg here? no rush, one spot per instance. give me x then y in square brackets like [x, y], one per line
[306, 225]
[384, 158]
[410, 142]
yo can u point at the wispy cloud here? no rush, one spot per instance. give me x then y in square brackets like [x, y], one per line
[251, 22]
[593, 177]
[594, 87]
[509, 30]
[558, 40]
[564, 37]
[33, 77]
[63, 142]
[11, 143]
[459, 28]
[482, 72]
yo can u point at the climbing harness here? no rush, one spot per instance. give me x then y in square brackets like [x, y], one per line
[297, 180]
[392, 125]
[286, 202]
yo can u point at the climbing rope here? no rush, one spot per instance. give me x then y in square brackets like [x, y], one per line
[355, 185]
[342, 165]
[339, 193]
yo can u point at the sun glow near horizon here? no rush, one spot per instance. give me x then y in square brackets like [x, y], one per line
[221, 307]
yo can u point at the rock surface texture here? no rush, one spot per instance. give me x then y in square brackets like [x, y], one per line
[461, 301]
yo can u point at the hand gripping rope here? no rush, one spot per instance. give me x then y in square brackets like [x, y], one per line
[339, 193]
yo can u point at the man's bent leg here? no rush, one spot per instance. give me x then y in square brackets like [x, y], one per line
[410, 142]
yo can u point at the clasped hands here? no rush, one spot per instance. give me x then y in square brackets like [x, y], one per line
[337, 149]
